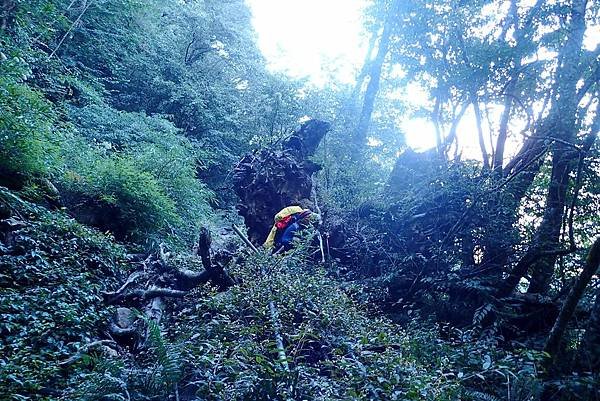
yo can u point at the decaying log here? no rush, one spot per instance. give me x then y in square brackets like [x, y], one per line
[155, 309]
[305, 141]
[412, 170]
[269, 180]
[188, 279]
[114, 296]
[204, 242]
[140, 295]
[156, 280]
[121, 332]
[173, 283]
[124, 327]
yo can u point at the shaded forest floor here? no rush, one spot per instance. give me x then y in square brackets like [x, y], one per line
[219, 345]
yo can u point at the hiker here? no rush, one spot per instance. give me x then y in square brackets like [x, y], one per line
[287, 222]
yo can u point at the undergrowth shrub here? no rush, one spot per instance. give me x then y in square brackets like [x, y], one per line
[134, 176]
[52, 273]
[27, 137]
[221, 346]
[113, 193]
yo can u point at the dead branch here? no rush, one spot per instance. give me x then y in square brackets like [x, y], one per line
[85, 349]
[187, 279]
[204, 243]
[143, 295]
[70, 28]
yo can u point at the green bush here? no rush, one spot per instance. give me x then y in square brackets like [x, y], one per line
[113, 193]
[221, 346]
[134, 175]
[27, 146]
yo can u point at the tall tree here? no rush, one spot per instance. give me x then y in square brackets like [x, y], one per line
[374, 73]
[561, 128]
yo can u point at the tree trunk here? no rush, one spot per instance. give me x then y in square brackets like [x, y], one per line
[561, 123]
[563, 154]
[365, 68]
[499, 247]
[484, 153]
[269, 180]
[374, 79]
[451, 138]
[524, 166]
[502, 134]
[556, 334]
[590, 346]
[435, 116]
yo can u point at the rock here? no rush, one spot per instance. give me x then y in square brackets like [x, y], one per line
[124, 318]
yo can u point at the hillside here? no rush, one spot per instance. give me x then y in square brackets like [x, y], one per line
[146, 148]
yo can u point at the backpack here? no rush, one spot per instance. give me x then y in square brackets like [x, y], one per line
[285, 222]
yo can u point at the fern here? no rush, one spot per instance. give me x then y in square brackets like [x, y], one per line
[168, 369]
[481, 313]
[105, 382]
[480, 396]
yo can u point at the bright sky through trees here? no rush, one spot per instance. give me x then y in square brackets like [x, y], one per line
[324, 41]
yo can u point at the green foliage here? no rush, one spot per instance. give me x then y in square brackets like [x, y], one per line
[168, 368]
[155, 372]
[52, 271]
[106, 380]
[134, 78]
[27, 147]
[125, 104]
[117, 130]
[221, 345]
[113, 193]
[136, 175]
[124, 75]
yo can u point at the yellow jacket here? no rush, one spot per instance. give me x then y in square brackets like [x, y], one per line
[285, 212]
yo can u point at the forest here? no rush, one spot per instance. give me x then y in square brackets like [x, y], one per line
[146, 147]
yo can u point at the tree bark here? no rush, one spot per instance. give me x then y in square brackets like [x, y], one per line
[590, 346]
[269, 180]
[484, 153]
[556, 334]
[512, 20]
[435, 116]
[451, 138]
[365, 68]
[502, 135]
[563, 155]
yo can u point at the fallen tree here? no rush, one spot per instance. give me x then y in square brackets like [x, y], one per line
[268, 180]
[157, 279]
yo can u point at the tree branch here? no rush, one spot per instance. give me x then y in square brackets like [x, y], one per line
[71, 28]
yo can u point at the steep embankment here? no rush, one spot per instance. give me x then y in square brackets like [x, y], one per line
[52, 271]
[210, 345]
